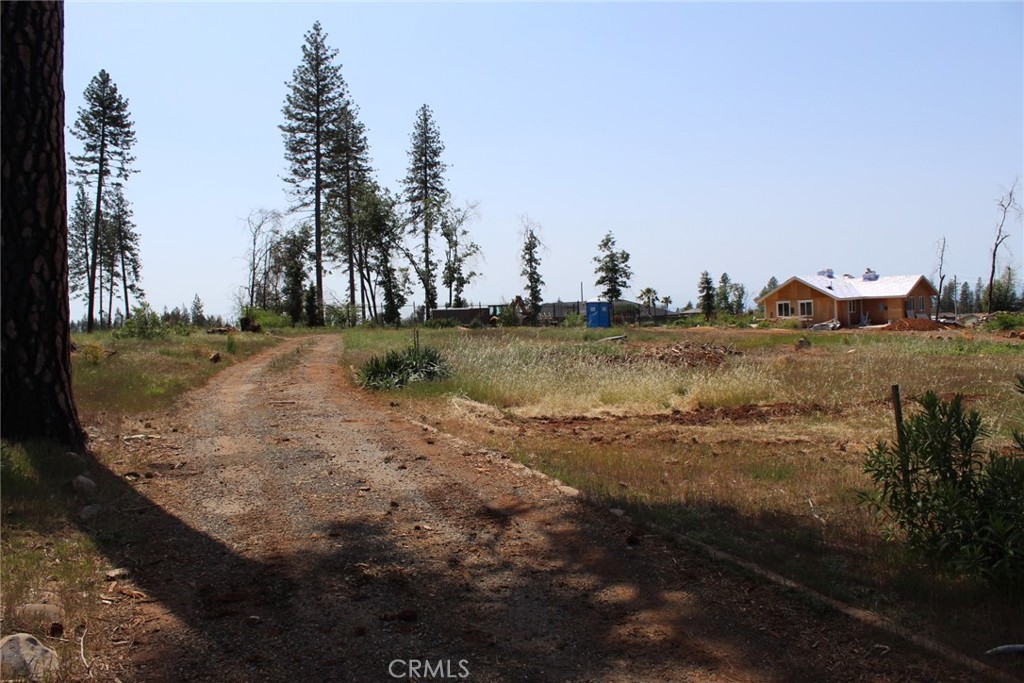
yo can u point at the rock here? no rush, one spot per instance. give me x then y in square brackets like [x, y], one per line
[117, 574]
[89, 511]
[23, 656]
[618, 512]
[569, 491]
[215, 357]
[803, 343]
[84, 486]
[39, 613]
[78, 460]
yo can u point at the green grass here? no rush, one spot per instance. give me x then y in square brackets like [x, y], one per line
[128, 376]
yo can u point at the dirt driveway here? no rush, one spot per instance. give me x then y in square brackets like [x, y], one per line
[290, 530]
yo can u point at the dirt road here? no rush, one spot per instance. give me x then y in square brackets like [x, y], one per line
[290, 530]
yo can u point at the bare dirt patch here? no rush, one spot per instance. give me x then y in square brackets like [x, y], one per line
[292, 530]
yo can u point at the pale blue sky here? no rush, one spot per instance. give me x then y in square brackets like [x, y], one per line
[757, 139]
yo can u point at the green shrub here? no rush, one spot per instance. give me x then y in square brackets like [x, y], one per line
[268, 320]
[1006, 322]
[955, 504]
[395, 369]
[574, 320]
[145, 323]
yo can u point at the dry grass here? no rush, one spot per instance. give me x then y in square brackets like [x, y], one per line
[761, 455]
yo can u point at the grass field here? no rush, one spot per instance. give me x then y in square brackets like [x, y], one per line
[733, 437]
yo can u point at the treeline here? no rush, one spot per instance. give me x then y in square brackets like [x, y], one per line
[180, 318]
[962, 298]
[381, 240]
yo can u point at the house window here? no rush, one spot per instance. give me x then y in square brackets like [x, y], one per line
[910, 305]
[920, 304]
[783, 310]
[807, 309]
[851, 307]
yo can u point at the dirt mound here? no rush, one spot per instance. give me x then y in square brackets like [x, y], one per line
[913, 325]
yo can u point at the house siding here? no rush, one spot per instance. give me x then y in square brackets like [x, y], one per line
[879, 311]
[823, 307]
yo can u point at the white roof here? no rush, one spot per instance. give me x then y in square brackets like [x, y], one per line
[856, 287]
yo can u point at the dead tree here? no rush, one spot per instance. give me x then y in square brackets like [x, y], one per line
[1007, 205]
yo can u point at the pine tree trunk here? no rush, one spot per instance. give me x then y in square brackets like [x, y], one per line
[37, 400]
[97, 222]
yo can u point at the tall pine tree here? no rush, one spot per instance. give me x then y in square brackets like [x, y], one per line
[107, 133]
[314, 106]
[80, 220]
[706, 295]
[530, 260]
[613, 271]
[350, 170]
[426, 194]
[125, 238]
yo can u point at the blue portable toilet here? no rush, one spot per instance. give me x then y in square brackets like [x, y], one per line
[599, 314]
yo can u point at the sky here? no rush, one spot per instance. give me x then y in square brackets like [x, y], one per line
[756, 139]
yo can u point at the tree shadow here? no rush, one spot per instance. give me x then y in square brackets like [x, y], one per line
[600, 599]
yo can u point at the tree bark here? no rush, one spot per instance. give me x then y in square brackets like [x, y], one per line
[37, 400]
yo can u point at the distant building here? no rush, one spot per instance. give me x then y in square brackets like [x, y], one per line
[870, 299]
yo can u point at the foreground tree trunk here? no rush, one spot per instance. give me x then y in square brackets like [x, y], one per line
[36, 400]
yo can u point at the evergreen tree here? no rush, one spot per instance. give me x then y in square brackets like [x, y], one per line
[979, 296]
[706, 295]
[314, 107]
[947, 301]
[772, 285]
[309, 308]
[36, 399]
[459, 250]
[1002, 296]
[426, 195]
[530, 260]
[613, 271]
[107, 134]
[723, 295]
[379, 236]
[196, 313]
[737, 298]
[350, 169]
[292, 255]
[80, 220]
[124, 244]
[966, 302]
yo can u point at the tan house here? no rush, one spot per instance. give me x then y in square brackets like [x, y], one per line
[870, 299]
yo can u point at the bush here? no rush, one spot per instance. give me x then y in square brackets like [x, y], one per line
[1006, 322]
[438, 323]
[958, 506]
[145, 323]
[397, 368]
[268, 320]
[574, 320]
